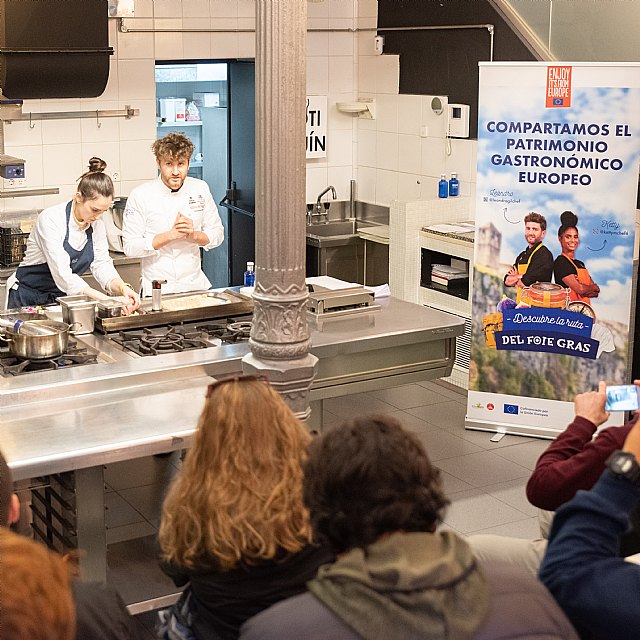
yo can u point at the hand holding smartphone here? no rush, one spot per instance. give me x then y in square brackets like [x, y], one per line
[622, 398]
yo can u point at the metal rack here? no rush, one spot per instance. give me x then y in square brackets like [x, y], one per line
[128, 112]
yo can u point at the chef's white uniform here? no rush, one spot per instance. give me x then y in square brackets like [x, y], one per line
[152, 209]
[46, 246]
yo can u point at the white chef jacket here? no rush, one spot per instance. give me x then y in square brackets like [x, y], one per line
[45, 245]
[152, 209]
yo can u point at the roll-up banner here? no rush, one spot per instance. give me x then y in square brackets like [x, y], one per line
[557, 180]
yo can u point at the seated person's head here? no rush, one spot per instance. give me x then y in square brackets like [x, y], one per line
[35, 594]
[239, 494]
[367, 478]
[9, 504]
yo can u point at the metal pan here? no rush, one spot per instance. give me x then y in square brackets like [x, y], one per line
[39, 347]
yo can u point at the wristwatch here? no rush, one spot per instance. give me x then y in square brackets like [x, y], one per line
[624, 465]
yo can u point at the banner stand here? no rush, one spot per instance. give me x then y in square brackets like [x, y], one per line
[557, 178]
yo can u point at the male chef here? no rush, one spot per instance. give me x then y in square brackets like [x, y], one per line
[167, 220]
[535, 263]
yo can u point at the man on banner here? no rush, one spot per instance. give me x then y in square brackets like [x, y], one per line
[535, 263]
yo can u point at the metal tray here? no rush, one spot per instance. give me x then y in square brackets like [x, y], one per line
[236, 305]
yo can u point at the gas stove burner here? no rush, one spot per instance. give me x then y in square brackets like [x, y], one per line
[74, 357]
[242, 329]
[151, 342]
[227, 331]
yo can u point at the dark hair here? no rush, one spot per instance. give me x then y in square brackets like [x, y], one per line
[568, 220]
[538, 218]
[94, 183]
[6, 491]
[368, 477]
[173, 146]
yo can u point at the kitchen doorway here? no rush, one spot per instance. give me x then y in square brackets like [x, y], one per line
[213, 103]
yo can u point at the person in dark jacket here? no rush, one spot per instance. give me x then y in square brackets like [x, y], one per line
[375, 498]
[573, 461]
[597, 589]
[233, 523]
[100, 613]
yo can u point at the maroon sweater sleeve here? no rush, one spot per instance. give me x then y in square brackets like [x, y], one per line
[573, 461]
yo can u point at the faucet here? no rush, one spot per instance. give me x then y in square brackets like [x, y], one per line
[317, 208]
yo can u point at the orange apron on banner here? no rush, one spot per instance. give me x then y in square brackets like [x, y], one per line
[522, 269]
[583, 278]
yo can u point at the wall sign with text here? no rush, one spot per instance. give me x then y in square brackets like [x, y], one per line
[316, 139]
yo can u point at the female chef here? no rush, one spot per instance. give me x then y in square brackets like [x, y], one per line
[66, 241]
[567, 270]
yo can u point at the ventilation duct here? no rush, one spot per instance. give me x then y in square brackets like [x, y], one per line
[54, 49]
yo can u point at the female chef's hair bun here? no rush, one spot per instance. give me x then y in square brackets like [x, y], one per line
[96, 164]
[95, 182]
[568, 219]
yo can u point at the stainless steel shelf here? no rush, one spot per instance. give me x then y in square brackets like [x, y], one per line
[128, 112]
[186, 123]
[21, 193]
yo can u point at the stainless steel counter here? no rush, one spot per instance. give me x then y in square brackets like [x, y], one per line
[126, 406]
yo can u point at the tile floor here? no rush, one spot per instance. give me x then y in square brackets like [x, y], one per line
[484, 480]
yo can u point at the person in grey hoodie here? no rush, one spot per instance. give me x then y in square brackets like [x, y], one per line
[376, 500]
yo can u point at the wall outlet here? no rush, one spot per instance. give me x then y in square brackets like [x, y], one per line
[424, 130]
[115, 176]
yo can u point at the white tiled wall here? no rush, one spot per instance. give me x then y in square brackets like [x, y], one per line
[387, 156]
[405, 146]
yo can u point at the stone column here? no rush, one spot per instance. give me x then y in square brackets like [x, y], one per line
[279, 335]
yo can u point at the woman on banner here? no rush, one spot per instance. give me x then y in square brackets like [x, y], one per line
[568, 271]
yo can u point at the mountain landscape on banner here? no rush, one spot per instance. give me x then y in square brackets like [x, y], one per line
[534, 374]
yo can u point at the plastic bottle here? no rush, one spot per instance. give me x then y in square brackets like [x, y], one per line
[250, 275]
[454, 186]
[26, 328]
[443, 187]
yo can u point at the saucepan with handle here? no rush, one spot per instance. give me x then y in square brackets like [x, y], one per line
[39, 347]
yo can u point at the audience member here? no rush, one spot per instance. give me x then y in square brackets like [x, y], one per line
[597, 589]
[233, 523]
[9, 503]
[35, 591]
[573, 461]
[375, 498]
[100, 613]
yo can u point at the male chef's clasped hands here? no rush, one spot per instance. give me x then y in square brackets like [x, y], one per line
[183, 225]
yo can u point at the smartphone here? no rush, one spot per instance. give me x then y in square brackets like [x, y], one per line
[622, 398]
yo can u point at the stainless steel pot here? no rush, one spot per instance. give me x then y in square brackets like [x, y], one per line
[39, 347]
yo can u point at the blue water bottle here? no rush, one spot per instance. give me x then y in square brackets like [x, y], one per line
[443, 187]
[454, 185]
[250, 275]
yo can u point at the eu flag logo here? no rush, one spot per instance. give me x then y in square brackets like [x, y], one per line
[511, 408]
[558, 102]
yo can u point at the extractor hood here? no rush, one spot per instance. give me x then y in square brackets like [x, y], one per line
[54, 49]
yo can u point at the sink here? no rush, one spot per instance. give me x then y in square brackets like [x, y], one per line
[335, 228]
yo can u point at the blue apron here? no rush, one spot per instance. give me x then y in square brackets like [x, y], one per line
[36, 285]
